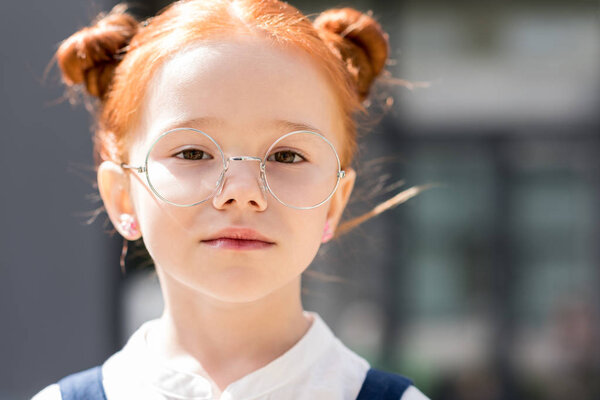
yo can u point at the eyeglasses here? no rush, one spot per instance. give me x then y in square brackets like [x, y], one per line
[185, 167]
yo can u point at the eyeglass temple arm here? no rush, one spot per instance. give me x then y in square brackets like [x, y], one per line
[136, 169]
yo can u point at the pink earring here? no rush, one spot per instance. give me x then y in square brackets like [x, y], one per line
[129, 225]
[327, 233]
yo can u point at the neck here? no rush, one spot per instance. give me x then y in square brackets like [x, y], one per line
[228, 340]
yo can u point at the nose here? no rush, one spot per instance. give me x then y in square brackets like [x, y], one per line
[242, 187]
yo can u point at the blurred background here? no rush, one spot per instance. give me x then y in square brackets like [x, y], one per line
[484, 287]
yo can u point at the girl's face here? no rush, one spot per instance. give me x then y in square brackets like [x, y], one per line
[244, 93]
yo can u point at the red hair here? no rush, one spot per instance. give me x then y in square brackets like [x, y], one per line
[116, 57]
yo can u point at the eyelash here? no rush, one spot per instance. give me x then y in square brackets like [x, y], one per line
[181, 153]
[294, 153]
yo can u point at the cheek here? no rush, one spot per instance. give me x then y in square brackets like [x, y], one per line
[306, 232]
[163, 226]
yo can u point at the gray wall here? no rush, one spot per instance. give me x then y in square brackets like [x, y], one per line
[53, 267]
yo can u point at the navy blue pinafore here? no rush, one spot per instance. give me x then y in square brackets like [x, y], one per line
[378, 385]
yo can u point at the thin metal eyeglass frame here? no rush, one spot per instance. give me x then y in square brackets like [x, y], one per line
[219, 184]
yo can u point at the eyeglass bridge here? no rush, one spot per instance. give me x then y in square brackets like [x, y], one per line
[245, 158]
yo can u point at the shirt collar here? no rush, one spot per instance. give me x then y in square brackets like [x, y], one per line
[176, 383]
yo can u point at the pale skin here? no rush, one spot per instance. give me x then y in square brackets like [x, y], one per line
[231, 311]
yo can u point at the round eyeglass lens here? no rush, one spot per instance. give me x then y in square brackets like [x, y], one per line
[302, 169]
[183, 166]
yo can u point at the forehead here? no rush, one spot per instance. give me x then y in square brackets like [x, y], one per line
[240, 90]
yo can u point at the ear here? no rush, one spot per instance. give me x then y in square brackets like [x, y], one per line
[340, 199]
[113, 184]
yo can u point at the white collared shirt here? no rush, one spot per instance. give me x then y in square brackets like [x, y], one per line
[318, 366]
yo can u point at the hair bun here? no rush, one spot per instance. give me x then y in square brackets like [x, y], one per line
[91, 55]
[358, 40]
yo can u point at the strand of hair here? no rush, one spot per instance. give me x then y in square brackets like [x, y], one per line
[390, 203]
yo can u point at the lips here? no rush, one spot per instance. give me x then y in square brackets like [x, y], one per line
[238, 239]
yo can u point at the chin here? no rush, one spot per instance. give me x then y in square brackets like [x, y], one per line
[247, 295]
[239, 285]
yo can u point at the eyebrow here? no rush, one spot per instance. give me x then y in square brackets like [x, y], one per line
[294, 126]
[280, 124]
[193, 123]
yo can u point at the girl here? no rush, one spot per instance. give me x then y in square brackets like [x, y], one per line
[225, 137]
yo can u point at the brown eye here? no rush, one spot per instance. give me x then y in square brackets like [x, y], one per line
[287, 157]
[193, 155]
